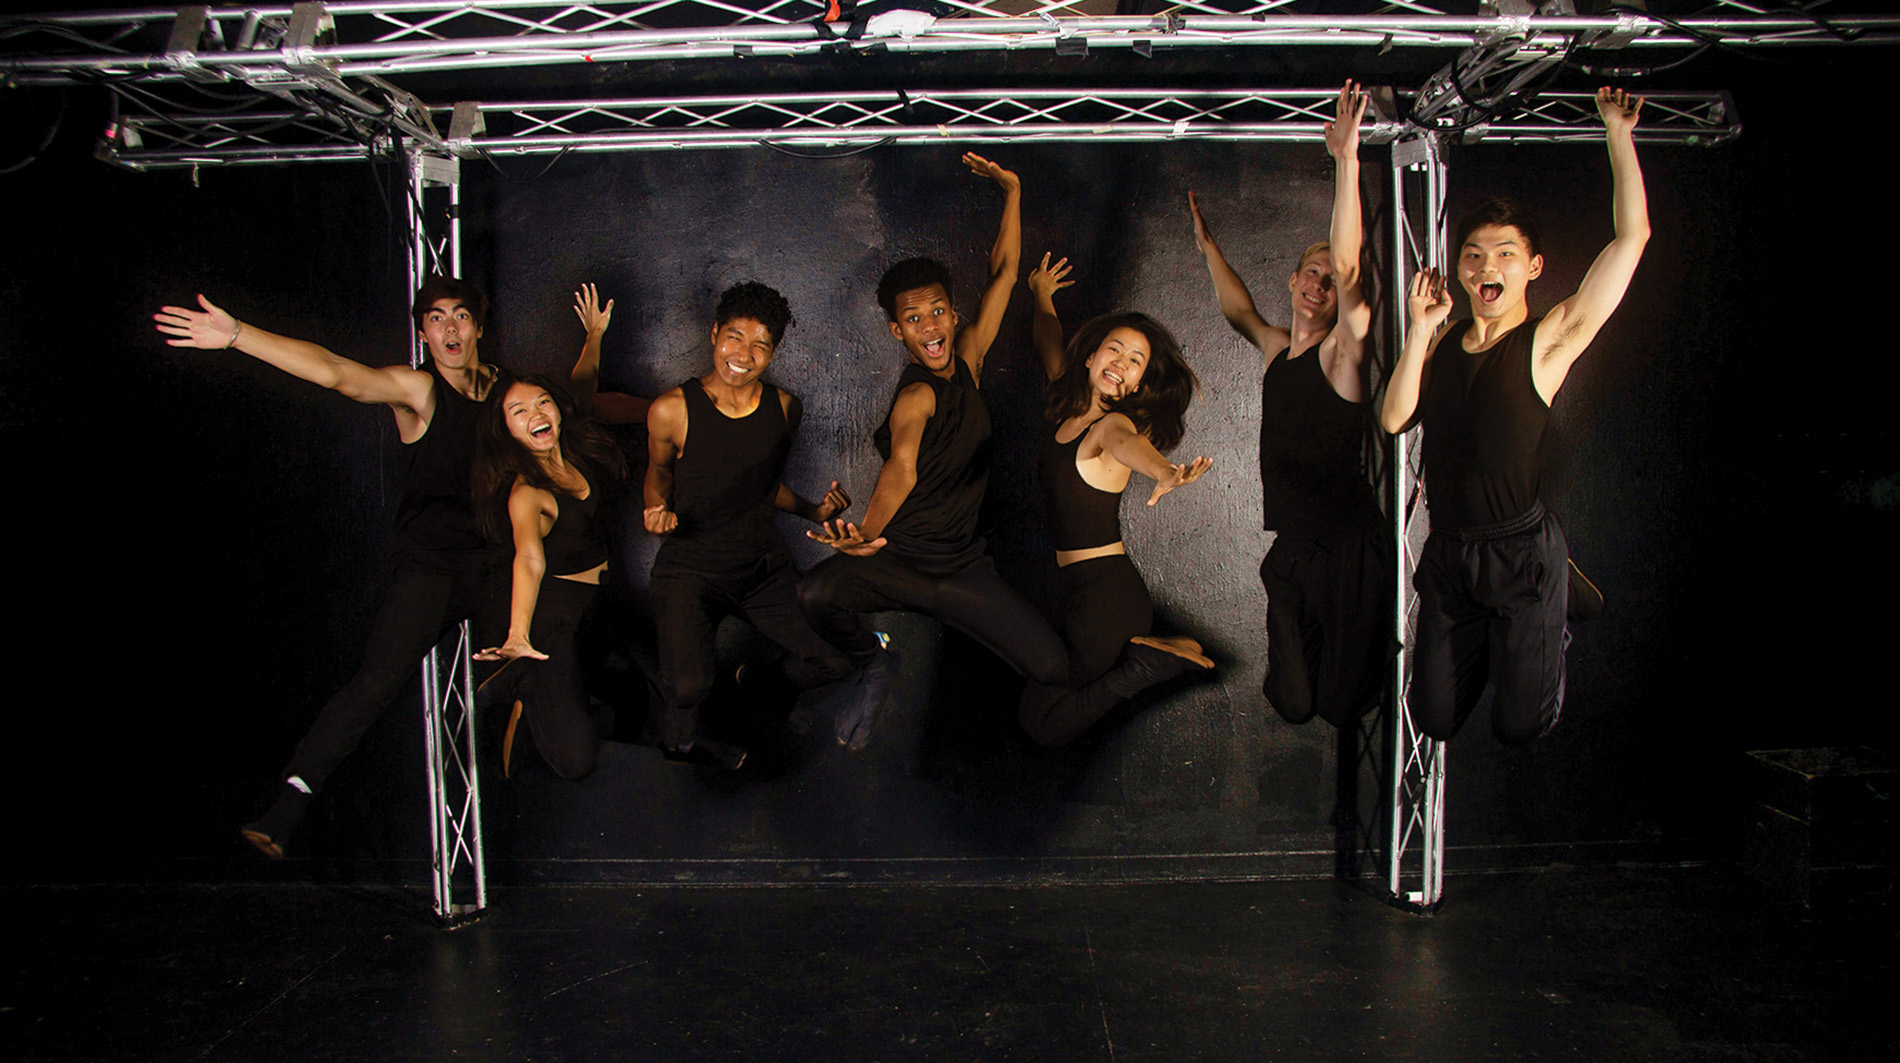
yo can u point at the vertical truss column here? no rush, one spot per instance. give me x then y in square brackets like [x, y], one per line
[1417, 811]
[448, 695]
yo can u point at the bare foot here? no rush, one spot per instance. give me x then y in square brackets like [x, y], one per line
[1179, 645]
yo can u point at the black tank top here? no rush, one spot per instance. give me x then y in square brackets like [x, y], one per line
[578, 540]
[724, 482]
[935, 528]
[1310, 444]
[435, 521]
[1483, 422]
[1081, 515]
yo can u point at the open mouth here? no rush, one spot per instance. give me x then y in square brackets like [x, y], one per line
[736, 369]
[541, 432]
[934, 349]
[1490, 292]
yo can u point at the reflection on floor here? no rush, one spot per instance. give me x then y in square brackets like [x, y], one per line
[1599, 964]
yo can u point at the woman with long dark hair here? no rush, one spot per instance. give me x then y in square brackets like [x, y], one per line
[542, 474]
[1118, 397]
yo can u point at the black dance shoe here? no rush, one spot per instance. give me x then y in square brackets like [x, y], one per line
[706, 753]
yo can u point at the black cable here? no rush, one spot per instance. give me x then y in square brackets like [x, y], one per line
[512, 179]
[59, 119]
[840, 154]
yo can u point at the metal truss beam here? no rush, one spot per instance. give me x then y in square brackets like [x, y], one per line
[1415, 846]
[353, 39]
[832, 121]
[448, 689]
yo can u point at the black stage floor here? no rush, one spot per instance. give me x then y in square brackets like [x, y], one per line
[1601, 964]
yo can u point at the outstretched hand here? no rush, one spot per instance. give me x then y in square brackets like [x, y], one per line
[516, 646]
[1203, 239]
[1342, 133]
[1618, 109]
[208, 330]
[1046, 280]
[1183, 475]
[983, 167]
[845, 538]
[834, 503]
[659, 520]
[594, 317]
[1430, 300]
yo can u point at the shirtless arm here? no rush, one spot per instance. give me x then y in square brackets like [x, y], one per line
[409, 392]
[1236, 302]
[1044, 282]
[1429, 304]
[973, 343]
[1568, 329]
[666, 433]
[915, 406]
[530, 509]
[1343, 355]
[1131, 448]
[612, 407]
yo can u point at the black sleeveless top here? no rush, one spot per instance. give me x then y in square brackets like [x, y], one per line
[435, 521]
[1483, 423]
[935, 528]
[1081, 515]
[1310, 444]
[725, 480]
[578, 540]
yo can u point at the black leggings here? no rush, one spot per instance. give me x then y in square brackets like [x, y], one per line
[688, 607]
[973, 599]
[553, 692]
[1491, 611]
[1104, 604]
[420, 607]
[1329, 624]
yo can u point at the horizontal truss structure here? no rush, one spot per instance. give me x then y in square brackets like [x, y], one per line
[359, 38]
[828, 121]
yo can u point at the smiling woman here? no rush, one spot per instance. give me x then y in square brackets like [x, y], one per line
[540, 472]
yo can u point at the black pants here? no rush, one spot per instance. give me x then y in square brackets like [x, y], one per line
[420, 607]
[1104, 604]
[1329, 624]
[1491, 611]
[688, 606]
[553, 692]
[973, 599]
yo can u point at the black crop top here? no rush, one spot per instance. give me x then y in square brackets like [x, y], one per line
[1081, 515]
[577, 542]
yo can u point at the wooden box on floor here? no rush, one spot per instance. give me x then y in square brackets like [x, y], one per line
[1821, 829]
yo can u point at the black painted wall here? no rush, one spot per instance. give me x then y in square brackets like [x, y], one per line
[196, 539]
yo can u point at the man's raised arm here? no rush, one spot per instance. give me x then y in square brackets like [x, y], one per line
[1346, 237]
[215, 329]
[1236, 302]
[613, 407]
[973, 342]
[1429, 305]
[1568, 329]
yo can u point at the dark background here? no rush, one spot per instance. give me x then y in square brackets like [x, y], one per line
[197, 540]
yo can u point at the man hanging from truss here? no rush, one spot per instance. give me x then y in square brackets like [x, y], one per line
[917, 548]
[1494, 579]
[443, 573]
[1328, 575]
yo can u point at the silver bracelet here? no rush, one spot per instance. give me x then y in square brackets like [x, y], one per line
[234, 335]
